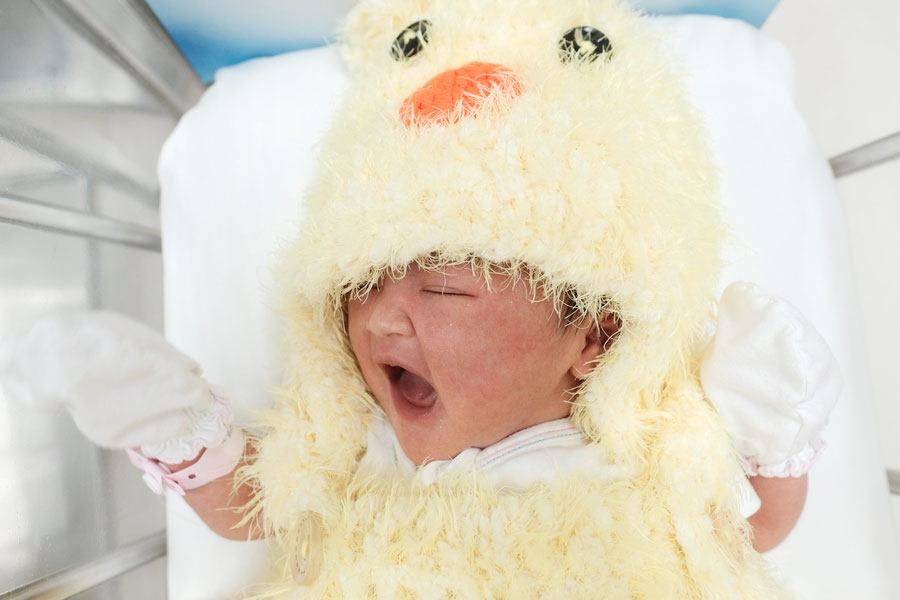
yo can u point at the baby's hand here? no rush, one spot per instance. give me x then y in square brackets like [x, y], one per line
[123, 383]
[772, 378]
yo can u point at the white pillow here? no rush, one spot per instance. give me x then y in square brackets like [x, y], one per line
[232, 175]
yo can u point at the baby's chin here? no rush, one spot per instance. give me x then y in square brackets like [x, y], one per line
[421, 453]
[425, 446]
[428, 433]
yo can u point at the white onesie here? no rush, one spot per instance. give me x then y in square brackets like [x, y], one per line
[517, 461]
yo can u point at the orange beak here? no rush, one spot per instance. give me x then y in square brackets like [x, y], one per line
[458, 93]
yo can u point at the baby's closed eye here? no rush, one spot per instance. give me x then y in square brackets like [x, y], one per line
[444, 291]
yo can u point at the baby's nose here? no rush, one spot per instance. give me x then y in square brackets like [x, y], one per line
[389, 314]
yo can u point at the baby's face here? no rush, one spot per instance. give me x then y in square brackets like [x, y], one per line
[456, 365]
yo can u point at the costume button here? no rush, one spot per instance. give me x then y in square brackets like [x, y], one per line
[308, 558]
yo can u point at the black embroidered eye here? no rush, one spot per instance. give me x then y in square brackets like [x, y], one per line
[583, 44]
[411, 41]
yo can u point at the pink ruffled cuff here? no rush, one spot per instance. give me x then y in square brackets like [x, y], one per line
[795, 466]
[209, 428]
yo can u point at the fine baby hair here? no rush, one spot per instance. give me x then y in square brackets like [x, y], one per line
[568, 151]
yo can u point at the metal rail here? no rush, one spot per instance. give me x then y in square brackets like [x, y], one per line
[77, 579]
[894, 481]
[866, 156]
[129, 34]
[28, 213]
[47, 144]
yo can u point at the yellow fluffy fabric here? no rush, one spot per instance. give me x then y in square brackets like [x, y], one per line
[597, 178]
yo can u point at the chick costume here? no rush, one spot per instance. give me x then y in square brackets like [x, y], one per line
[552, 140]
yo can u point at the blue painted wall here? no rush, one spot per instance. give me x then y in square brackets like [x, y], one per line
[754, 12]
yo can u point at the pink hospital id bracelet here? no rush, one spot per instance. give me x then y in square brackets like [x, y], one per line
[214, 463]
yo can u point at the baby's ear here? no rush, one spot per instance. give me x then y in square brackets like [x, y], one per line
[597, 337]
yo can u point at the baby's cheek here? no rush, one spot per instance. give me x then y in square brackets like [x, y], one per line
[502, 366]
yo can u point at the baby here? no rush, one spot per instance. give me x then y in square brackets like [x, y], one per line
[455, 364]
[497, 311]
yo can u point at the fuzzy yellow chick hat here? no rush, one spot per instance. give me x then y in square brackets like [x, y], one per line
[553, 138]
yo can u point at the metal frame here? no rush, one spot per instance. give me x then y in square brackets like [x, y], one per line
[894, 481]
[866, 156]
[49, 146]
[129, 33]
[30, 213]
[79, 578]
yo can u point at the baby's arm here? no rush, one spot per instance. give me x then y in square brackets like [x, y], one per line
[221, 503]
[782, 500]
[774, 381]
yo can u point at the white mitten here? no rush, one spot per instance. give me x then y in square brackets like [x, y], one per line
[772, 378]
[123, 383]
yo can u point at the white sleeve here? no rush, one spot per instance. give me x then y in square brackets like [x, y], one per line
[749, 501]
[205, 566]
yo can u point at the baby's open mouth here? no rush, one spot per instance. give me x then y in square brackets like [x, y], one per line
[411, 388]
